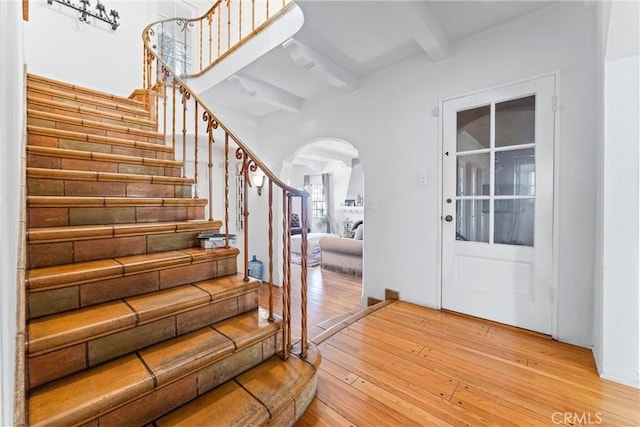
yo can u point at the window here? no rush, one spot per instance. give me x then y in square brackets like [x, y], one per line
[175, 38]
[318, 204]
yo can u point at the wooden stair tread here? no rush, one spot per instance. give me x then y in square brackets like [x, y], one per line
[77, 175]
[32, 100]
[221, 287]
[275, 391]
[227, 405]
[167, 302]
[273, 382]
[74, 399]
[61, 118]
[114, 104]
[180, 356]
[83, 272]
[239, 328]
[64, 329]
[61, 330]
[86, 395]
[85, 232]
[98, 139]
[97, 156]
[34, 78]
[86, 201]
[185, 354]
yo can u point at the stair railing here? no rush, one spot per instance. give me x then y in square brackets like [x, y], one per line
[187, 122]
[226, 26]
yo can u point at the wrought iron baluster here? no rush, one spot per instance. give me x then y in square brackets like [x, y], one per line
[226, 188]
[288, 260]
[195, 147]
[303, 278]
[271, 250]
[285, 267]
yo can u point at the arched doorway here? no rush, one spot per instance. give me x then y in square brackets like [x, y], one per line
[330, 170]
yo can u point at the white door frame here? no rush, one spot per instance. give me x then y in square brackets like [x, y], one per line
[556, 193]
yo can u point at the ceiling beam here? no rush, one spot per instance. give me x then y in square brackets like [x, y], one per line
[267, 93]
[320, 66]
[424, 28]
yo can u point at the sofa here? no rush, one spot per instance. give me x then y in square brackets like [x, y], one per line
[341, 254]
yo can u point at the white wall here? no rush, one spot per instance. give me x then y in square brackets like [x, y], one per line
[389, 121]
[11, 133]
[617, 290]
[60, 46]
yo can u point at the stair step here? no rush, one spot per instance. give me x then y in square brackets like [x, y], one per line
[37, 91]
[43, 81]
[60, 211]
[67, 287]
[90, 336]
[80, 112]
[71, 201]
[46, 278]
[42, 136]
[60, 182]
[65, 159]
[110, 105]
[276, 392]
[68, 234]
[137, 388]
[66, 122]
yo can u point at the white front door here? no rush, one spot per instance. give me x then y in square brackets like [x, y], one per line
[498, 204]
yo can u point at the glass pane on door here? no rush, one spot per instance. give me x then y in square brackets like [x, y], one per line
[515, 122]
[513, 222]
[474, 129]
[472, 220]
[515, 172]
[473, 174]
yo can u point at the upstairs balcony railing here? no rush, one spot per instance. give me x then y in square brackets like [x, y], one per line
[190, 125]
[227, 25]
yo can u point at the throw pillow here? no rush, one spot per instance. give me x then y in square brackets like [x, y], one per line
[359, 234]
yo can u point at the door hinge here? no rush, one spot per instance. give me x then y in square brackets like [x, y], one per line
[554, 103]
[552, 295]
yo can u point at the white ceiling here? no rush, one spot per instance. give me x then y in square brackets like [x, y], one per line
[356, 38]
[460, 19]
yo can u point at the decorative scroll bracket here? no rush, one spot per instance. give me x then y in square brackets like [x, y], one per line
[101, 14]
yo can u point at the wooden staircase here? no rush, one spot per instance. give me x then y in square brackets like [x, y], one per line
[130, 322]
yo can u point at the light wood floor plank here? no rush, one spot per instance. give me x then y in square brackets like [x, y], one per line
[320, 415]
[409, 365]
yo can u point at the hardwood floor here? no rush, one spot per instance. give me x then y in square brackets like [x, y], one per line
[409, 365]
[329, 295]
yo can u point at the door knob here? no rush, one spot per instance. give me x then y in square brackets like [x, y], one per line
[448, 218]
